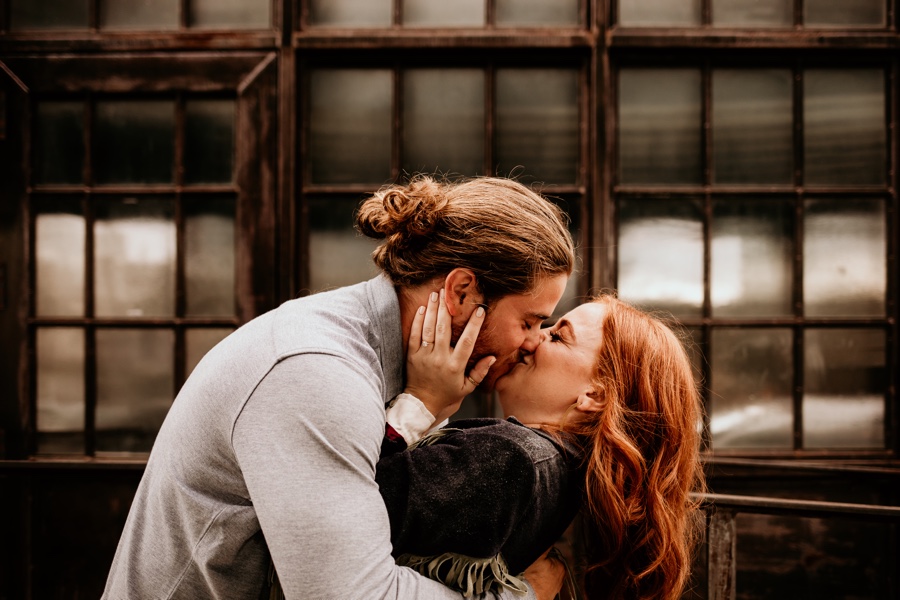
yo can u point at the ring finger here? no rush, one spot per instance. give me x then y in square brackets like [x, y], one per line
[428, 324]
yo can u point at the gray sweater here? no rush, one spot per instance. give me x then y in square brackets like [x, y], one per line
[271, 447]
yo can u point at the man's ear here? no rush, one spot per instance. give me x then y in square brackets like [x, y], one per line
[589, 401]
[461, 292]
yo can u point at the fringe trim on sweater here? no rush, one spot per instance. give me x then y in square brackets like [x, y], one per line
[430, 438]
[464, 573]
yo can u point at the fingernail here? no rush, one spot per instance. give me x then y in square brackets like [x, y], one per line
[442, 294]
[434, 296]
[421, 310]
[479, 312]
[491, 364]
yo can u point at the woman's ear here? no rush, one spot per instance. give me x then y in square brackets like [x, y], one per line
[589, 401]
[461, 292]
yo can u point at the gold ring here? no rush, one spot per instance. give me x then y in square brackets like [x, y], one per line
[475, 383]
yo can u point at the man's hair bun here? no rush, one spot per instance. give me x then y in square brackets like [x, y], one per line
[403, 212]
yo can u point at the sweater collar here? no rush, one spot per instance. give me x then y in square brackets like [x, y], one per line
[384, 309]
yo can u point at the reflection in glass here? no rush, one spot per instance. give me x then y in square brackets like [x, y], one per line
[644, 13]
[60, 390]
[752, 126]
[537, 123]
[59, 142]
[338, 254]
[134, 141]
[59, 270]
[209, 257]
[231, 14]
[844, 13]
[751, 259]
[351, 13]
[350, 125]
[135, 387]
[139, 14]
[48, 14]
[208, 141]
[199, 341]
[751, 381]
[134, 257]
[443, 121]
[661, 255]
[844, 254]
[659, 126]
[440, 13]
[536, 13]
[753, 13]
[844, 126]
[845, 381]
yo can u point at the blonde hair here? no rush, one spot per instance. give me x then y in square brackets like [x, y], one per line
[508, 235]
[642, 459]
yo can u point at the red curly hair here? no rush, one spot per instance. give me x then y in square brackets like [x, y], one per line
[642, 453]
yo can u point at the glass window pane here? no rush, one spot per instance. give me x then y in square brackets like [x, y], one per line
[135, 387]
[440, 13]
[199, 341]
[48, 14]
[134, 257]
[844, 254]
[139, 14]
[844, 385]
[134, 141]
[59, 245]
[443, 121]
[209, 257]
[231, 14]
[751, 245]
[350, 125]
[751, 382]
[209, 141]
[752, 126]
[844, 124]
[659, 126]
[60, 390]
[570, 298]
[753, 13]
[844, 13]
[536, 13]
[643, 13]
[59, 142]
[338, 254]
[351, 13]
[537, 123]
[661, 255]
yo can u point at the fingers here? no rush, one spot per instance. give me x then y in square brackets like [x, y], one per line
[444, 323]
[466, 342]
[421, 336]
[478, 373]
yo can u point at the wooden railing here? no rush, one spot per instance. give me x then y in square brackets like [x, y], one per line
[722, 511]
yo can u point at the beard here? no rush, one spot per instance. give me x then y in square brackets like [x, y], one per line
[486, 345]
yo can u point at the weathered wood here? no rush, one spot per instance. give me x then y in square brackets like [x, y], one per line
[722, 538]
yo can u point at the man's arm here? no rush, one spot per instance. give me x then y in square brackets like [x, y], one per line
[307, 442]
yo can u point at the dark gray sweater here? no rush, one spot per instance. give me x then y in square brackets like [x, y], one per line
[485, 497]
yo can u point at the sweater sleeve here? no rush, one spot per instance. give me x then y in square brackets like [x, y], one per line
[462, 494]
[307, 442]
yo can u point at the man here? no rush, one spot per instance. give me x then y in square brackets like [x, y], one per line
[270, 448]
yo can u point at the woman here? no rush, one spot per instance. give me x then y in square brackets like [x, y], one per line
[603, 416]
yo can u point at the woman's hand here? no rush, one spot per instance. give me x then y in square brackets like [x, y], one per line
[435, 371]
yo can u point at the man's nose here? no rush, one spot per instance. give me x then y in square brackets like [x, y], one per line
[532, 340]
